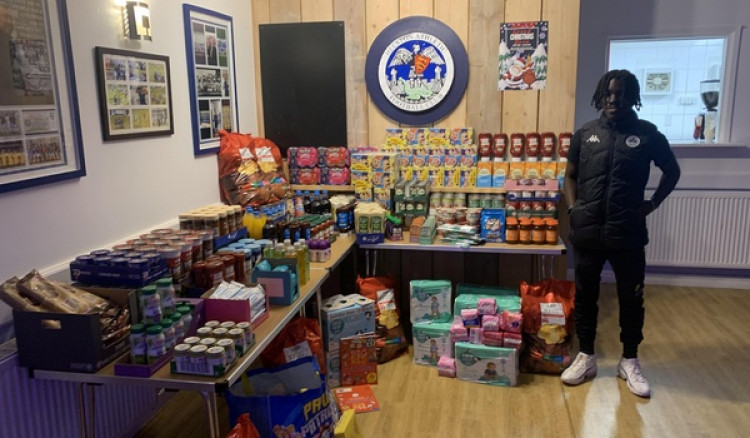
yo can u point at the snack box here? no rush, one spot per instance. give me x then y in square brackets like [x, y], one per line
[69, 342]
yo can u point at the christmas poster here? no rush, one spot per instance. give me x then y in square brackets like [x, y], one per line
[522, 56]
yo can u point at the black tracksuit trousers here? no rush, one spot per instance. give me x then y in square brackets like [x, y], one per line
[629, 267]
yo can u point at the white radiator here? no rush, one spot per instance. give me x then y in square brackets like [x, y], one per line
[46, 408]
[701, 229]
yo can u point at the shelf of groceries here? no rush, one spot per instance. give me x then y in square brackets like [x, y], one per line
[350, 189]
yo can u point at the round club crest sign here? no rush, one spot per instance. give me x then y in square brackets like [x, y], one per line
[416, 70]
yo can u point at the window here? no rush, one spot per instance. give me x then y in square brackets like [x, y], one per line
[687, 83]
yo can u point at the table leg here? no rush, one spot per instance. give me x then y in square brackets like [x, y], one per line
[92, 411]
[212, 410]
[319, 306]
[81, 398]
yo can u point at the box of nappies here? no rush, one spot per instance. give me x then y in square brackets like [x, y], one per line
[430, 301]
[484, 364]
[346, 315]
[431, 340]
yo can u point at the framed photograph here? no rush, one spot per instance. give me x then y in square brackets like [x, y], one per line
[657, 81]
[40, 134]
[209, 45]
[135, 95]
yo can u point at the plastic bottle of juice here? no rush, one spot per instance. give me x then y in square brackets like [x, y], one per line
[259, 221]
[306, 255]
[247, 219]
[300, 256]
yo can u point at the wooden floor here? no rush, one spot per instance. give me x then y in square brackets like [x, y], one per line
[696, 355]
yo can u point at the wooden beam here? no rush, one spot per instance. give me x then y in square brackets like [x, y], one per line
[352, 13]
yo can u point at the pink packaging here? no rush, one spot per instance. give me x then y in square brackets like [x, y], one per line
[487, 306]
[512, 340]
[305, 156]
[333, 156]
[470, 317]
[305, 176]
[446, 366]
[491, 323]
[457, 331]
[511, 322]
[337, 176]
[494, 339]
[476, 336]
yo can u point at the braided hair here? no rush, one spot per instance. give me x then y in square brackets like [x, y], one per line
[629, 83]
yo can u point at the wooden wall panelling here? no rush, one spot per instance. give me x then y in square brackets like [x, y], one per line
[352, 13]
[520, 108]
[481, 269]
[415, 265]
[415, 7]
[378, 15]
[286, 11]
[261, 15]
[514, 268]
[557, 100]
[484, 102]
[455, 14]
[316, 10]
[448, 266]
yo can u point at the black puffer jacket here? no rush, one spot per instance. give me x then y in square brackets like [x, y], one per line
[613, 162]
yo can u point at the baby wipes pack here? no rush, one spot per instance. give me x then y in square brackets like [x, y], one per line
[496, 366]
[431, 341]
[430, 301]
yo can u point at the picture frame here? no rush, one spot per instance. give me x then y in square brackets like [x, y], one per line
[40, 133]
[657, 81]
[135, 94]
[209, 46]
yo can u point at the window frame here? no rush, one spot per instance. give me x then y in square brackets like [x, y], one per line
[732, 36]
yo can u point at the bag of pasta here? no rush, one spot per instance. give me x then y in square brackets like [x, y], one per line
[250, 170]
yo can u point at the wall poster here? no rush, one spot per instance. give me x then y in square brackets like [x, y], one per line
[135, 94]
[209, 38]
[40, 135]
[523, 56]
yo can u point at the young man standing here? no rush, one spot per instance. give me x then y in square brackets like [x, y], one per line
[608, 167]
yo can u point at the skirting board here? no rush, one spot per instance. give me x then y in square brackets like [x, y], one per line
[706, 281]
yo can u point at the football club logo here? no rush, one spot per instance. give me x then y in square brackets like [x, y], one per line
[633, 141]
[416, 70]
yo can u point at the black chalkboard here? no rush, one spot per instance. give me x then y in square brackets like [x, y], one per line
[304, 83]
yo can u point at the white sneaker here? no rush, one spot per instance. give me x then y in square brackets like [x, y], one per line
[630, 370]
[582, 368]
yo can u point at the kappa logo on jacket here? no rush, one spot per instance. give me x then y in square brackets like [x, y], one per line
[593, 139]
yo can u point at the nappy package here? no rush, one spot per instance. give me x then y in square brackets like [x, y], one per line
[489, 365]
[431, 341]
[430, 301]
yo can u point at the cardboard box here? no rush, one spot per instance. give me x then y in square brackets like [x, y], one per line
[112, 276]
[230, 310]
[344, 316]
[532, 170]
[67, 342]
[278, 285]
[499, 173]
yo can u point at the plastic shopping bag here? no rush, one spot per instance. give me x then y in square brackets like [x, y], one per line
[300, 338]
[291, 400]
[391, 341]
[244, 428]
